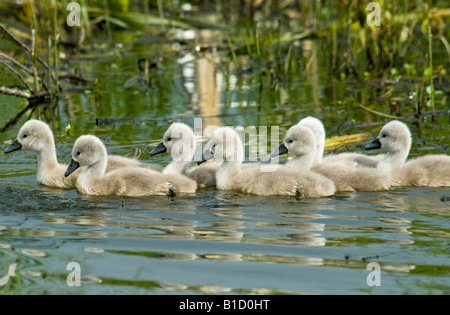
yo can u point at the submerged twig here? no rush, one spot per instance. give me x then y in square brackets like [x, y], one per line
[364, 259]
[55, 40]
[16, 63]
[379, 113]
[15, 119]
[18, 75]
[430, 52]
[12, 37]
[75, 79]
[15, 92]
[33, 101]
[33, 49]
[446, 44]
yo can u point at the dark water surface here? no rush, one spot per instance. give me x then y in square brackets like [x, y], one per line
[215, 241]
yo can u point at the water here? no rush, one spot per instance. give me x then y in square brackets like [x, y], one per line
[215, 241]
[222, 242]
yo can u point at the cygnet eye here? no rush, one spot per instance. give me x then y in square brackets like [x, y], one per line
[169, 139]
[384, 135]
[24, 136]
[291, 141]
[78, 153]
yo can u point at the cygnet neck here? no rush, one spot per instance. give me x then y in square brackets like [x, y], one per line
[234, 155]
[98, 168]
[46, 157]
[180, 161]
[393, 160]
[305, 161]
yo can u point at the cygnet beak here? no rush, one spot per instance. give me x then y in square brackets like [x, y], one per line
[280, 151]
[375, 144]
[15, 146]
[160, 148]
[72, 167]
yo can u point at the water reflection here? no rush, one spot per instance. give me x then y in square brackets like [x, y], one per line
[231, 217]
[208, 92]
[265, 231]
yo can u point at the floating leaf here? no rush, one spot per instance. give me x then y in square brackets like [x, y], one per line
[203, 232]
[173, 286]
[94, 250]
[342, 141]
[91, 280]
[32, 273]
[33, 252]
[214, 289]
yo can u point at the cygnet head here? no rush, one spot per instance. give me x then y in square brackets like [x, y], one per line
[394, 137]
[87, 150]
[224, 144]
[315, 125]
[299, 141]
[34, 135]
[318, 130]
[179, 140]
